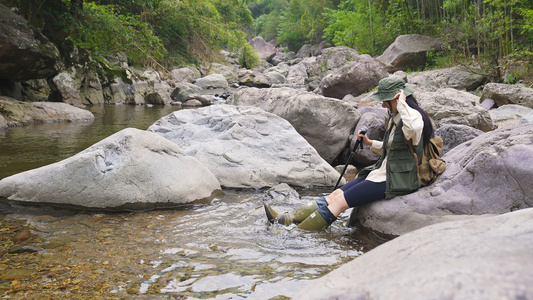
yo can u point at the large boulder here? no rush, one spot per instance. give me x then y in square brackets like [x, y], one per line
[24, 52]
[509, 114]
[246, 147]
[450, 106]
[508, 94]
[130, 169]
[408, 52]
[264, 49]
[331, 59]
[212, 81]
[453, 135]
[486, 175]
[229, 72]
[458, 78]
[18, 113]
[326, 123]
[484, 258]
[354, 77]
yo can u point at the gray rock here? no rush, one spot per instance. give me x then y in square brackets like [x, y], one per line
[331, 59]
[185, 91]
[456, 77]
[253, 79]
[326, 123]
[354, 77]
[453, 135]
[450, 106]
[484, 258]
[26, 53]
[486, 175]
[408, 52]
[508, 94]
[246, 147]
[212, 81]
[66, 86]
[526, 119]
[182, 75]
[283, 193]
[131, 168]
[264, 49]
[18, 113]
[229, 72]
[509, 114]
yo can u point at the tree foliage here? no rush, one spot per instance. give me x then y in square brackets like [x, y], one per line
[171, 32]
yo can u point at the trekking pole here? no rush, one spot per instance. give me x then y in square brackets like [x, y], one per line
[357, 144]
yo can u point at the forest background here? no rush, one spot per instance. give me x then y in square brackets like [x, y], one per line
[173, 33]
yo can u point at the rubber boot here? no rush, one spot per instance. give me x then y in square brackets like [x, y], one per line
[296, 215]
[318, 220]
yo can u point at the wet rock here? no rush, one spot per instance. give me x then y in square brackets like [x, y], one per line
[326, 123]
[487, 257]
[18, 113]
[132, 168]
[246, 147]
[12, 274]
[23, 249]
[23, 235]
[486, 175]
[283, 193]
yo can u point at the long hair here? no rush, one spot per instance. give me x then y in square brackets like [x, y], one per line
[428, 131]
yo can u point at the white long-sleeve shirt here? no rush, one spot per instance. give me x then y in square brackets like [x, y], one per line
[413, 126]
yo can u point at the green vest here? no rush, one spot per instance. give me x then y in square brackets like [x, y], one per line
[401, 169]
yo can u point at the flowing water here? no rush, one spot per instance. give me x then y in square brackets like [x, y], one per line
[224, 249]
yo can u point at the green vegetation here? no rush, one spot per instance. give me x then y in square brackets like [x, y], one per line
[493, 34]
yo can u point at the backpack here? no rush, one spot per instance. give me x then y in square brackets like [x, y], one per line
[431, 165]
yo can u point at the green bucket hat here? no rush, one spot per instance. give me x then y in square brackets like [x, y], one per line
[389, 87]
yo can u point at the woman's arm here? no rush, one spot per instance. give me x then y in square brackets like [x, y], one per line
[413, 124]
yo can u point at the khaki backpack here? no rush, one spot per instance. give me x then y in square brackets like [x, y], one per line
[431, 165]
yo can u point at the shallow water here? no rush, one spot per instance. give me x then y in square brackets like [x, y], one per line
[224, 249]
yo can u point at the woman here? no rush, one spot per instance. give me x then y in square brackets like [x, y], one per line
[393, 174]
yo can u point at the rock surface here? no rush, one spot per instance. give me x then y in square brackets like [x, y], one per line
[408, 52]
[25, 53]
[486, 175]
[503, 94]
[484, 258]
[326, 123]
[450, 106]
[18, 113]
[354, 77]
[246, 147]
[129, 169]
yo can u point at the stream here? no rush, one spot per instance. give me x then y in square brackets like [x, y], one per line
[224, 249]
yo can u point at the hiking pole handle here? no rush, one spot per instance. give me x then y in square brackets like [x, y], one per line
[357, 144]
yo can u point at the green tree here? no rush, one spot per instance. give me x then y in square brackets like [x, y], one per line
[302, 23]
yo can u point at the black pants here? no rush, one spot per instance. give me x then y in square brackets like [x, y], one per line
[360, 191]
